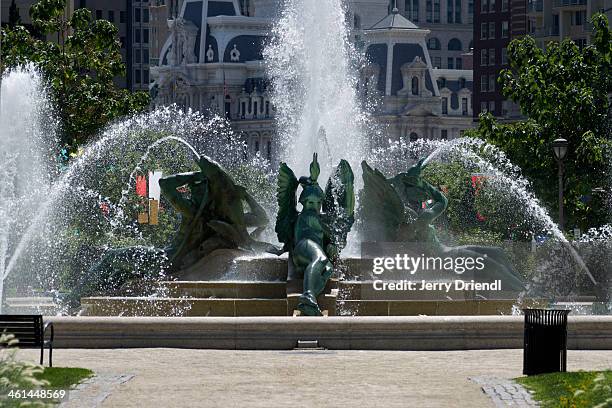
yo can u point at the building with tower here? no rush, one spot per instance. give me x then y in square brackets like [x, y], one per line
[418, 100]
[212, 61]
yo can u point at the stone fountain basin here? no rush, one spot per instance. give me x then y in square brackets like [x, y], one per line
[233, 283]
[340, 333]
[279, 298]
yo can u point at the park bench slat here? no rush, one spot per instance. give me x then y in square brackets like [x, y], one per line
[29, 331]
[17, 318]
[9, 328]
[22, 331]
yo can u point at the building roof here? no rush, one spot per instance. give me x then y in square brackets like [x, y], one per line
[394, 21]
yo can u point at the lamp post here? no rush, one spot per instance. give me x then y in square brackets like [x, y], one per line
[560, 149]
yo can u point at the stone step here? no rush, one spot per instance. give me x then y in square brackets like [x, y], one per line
[326, 302]
[358, 290]
[226, 289]
[229, 264]
[237, 289]
[31, 305]
[147, 306]
[430, 307]
[296, 286]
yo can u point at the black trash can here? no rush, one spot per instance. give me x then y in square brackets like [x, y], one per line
[545, 341]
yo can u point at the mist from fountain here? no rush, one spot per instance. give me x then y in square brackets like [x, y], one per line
[311, 63]
[27, 140]
[54, 228]
[90, 208]
[561, 265]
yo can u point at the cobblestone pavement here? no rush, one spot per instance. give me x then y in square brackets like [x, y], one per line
[505, 393]
[95, 390]
[164, 378]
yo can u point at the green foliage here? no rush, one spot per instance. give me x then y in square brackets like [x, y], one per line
[63, 377]
[15, 375]
[89, 237]
[80, 66]
[563, 91]
[497, 210]
[454, 181]
[567, 390]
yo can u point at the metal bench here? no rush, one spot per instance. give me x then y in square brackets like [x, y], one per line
[30, 332]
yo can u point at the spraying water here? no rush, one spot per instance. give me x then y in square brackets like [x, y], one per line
[313, 77]
[90, 209]
[27, 136]
[58, 228]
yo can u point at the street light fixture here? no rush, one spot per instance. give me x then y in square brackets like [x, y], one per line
[560, 149]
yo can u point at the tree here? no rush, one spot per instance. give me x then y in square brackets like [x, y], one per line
[14, 18]
[563, 91]
[80, 67]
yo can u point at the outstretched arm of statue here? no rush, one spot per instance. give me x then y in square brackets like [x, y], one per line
[439, 205]
[168, 186]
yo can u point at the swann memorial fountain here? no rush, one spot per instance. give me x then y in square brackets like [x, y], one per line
[166, 213]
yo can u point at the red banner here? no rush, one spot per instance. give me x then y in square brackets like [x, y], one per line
[141, 186]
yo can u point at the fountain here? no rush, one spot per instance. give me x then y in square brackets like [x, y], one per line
[27, 143]
[76, 235]
[314, 76]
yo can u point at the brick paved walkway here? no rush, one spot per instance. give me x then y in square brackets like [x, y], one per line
[505, 393]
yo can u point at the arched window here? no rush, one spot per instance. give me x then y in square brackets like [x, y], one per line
[415, 86]
[454, 45]
[433, 44]
[414, 137]
[357, 21]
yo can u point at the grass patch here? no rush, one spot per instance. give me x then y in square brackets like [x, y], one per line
[36, 393]
[568, 390]
[64, 377]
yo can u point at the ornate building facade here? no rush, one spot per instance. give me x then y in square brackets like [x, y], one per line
[419, 101]
[212, 61]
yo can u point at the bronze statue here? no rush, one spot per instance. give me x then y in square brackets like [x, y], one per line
[212, 215]
[314, 238]
[390, 212]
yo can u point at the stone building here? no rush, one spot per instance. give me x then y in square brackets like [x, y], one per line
[449, 23]
[555, 20]
[419, 101]
[498, 23]
[212, 61]
[131, 17]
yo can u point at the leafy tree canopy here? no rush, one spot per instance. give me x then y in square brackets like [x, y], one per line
[564, 92]
[80, 64]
